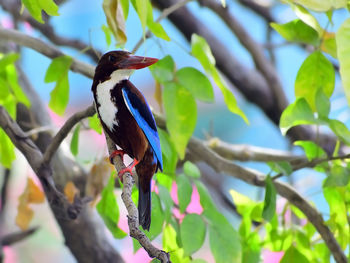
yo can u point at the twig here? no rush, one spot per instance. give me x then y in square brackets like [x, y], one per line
[12, 238]
[64, 131]
[3, 191]
[242, 152]
[133, 215]
[38, 130]
[313, 163]
[164, 14]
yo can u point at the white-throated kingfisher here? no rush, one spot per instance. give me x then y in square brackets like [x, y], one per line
[128, 120]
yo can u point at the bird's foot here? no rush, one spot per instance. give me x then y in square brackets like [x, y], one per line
[127, 169]
[115, 153]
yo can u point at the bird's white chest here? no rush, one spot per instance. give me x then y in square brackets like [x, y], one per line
[107, 109]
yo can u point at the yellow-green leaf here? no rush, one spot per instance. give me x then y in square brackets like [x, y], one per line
[36, 6]
[322, 5]
[58, 72]
[74, 145]
[315, 73]
[109, 210]
[181, 115]
[308, 18]
[201, 50]
[343, 52]
[115, 17]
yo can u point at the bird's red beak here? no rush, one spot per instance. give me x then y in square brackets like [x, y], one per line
[136, 62]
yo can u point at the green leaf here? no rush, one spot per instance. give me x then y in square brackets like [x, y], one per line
[205, 198]
[168, 202]
[329, 44]
[136, 245]
[74, 145]
[168, 152]
[155, 27]
[196, 83]
[164, 180]
[114, 12]
[191, 169]
[12, 79]
[322, 6]
[315, 73]
[7, 59]
[163, 70]
[243, 203]
[142, 10]
[312, 150]
[337, 207]
[281, 167]
[323, 105]
[109, 210]
[107, 33]
[198, 260]
[340, 130]
[201, 50]
[297, 31]
[308, 18]
[170, 244]
[270, 200]
[58, 72]
[36, 6]
[95, 124]
[339, 176]
[157, 217]
[293, 255]
[7, 150]
[181, 115]
[297, 113]
[343, 53]
[223, 239]
[125, 7]
[184, 192]
[192, 231]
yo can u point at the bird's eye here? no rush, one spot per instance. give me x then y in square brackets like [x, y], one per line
[112, 59]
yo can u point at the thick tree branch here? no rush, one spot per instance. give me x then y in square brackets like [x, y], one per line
[45, 49]
[133, 214]
[64, 131]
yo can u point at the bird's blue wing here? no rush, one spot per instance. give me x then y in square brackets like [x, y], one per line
[141, 112]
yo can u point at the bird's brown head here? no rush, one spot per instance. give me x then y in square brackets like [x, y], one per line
[120, 60]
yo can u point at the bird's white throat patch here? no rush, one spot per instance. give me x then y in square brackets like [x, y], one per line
[107, 108]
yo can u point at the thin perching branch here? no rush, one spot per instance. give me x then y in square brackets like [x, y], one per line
[64, 131]
[133, 214]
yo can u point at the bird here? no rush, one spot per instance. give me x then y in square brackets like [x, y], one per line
[127, 119]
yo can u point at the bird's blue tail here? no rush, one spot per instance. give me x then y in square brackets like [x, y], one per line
[144, 206]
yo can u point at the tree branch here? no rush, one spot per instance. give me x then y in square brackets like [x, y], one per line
[242, 152]
[12, 238]
[133, 214]
[256, 178]
[64, 131]
[45, 49]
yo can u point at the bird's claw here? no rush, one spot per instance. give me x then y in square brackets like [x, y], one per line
[115, 153]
